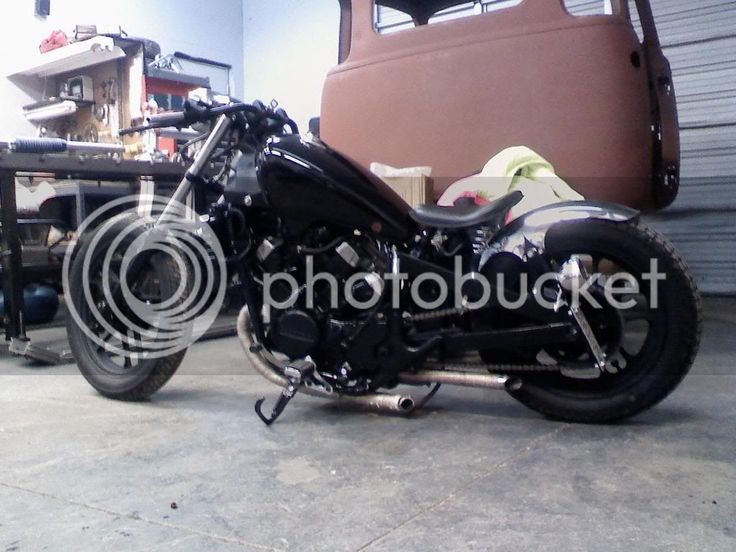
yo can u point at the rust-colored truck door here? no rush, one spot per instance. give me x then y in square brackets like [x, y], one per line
[580, 90]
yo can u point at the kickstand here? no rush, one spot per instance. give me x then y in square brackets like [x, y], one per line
[286, 395]
[295, 375]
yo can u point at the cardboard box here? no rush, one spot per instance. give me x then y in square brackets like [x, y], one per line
[415, 190]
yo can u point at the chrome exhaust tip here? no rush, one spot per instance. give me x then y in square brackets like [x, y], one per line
[395, 404]
[406, 404]
[514, 384]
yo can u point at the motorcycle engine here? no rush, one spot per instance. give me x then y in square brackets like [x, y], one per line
[295, 333]
[323, 319]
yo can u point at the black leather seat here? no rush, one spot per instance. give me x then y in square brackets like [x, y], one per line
[465, 216]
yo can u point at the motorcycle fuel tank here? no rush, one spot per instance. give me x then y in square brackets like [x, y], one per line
[307, 183]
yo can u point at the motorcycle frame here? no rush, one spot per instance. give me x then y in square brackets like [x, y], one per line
[525, 237]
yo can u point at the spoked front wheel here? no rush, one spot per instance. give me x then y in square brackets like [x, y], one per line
[651, 344]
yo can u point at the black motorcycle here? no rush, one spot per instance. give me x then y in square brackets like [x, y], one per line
[416, 297]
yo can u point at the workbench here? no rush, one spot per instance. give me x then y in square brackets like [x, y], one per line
[104, 168]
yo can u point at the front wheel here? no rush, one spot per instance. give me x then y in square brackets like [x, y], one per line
[651, 345]
[110, 354]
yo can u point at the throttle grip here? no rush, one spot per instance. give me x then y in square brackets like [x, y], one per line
[168, 119]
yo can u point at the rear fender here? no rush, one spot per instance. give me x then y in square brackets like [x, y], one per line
[526, 236]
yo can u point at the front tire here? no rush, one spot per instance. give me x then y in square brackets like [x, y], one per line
[671, 342]
[124, 378]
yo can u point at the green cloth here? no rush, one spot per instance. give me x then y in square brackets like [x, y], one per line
[516, 168]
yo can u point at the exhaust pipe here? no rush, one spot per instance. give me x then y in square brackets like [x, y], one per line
[399, 404]
[462, 379]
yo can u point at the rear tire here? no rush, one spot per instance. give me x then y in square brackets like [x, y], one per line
[670, 346]
[125, 383]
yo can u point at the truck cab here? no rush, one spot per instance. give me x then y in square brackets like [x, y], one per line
[585, 91]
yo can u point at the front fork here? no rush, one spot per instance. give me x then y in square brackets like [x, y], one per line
[196, 170]
[173, 210]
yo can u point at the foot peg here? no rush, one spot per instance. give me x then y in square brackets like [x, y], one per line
[296, 374]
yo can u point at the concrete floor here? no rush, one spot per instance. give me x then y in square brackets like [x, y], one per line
[474, 471]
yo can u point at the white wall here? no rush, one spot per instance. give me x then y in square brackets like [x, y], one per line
[211, 29]
[289, 45]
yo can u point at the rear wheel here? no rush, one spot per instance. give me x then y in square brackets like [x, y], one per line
[651, 346]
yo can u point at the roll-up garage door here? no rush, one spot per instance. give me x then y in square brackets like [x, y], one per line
[699, 38]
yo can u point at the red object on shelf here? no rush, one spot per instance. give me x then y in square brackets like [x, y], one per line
[152, 86]
[57, 39]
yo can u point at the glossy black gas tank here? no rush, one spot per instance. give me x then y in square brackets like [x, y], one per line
[308, 183]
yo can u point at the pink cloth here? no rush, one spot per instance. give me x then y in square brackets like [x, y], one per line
[57, 39]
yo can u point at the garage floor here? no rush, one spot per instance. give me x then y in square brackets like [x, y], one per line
[194, 469]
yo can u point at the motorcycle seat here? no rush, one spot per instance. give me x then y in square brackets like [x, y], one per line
[465, 216]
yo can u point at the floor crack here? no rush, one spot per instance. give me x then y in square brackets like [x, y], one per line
[136, 517]
[531, 446]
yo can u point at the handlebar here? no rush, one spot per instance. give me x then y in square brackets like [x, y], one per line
[167, 120]
[199, 112]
